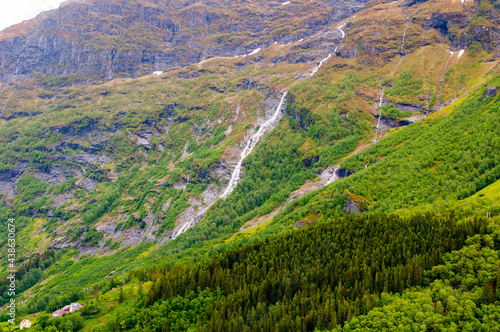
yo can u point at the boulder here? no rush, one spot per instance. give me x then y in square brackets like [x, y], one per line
[490, 92]
[351, 206]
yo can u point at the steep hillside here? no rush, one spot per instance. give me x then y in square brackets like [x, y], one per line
[261, 117]
[100, 39]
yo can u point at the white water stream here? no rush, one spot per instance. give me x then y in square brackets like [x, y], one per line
[334, 177]
[320, 64]
[441, 81]
[377, 127]
[403, 54]
[235, 176]
[315, 69]
[250, 145]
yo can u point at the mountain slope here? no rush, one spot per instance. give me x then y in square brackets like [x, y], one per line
[129, 38]
[133, 172]
[428, 165]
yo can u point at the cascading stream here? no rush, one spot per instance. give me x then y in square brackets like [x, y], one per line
[377, 127]
[320, 64]
[381, 100]
[8, 99]
[334, 177]
[251, 143]
[235, 176]
[441, 81]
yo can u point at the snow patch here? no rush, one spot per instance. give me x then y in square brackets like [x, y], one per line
[255, 51]
[460, 53]
[285, 3]
[157, 72]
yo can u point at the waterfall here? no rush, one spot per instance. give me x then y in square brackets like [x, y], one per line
[228, 130]
[320, 64]
[377, 128]
[334, 177]
[235, 176]
[250, 145]
[315, 69]
[403, 54]
[8, 99]
[441, 81]
[179, 229]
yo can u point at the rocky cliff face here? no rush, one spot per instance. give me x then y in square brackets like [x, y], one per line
[129, 38]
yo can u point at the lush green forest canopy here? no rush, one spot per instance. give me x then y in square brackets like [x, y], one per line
[330, 275]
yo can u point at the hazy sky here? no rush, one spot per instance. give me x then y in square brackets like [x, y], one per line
[16, 11]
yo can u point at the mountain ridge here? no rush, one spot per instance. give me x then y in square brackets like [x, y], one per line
[102, 170]
[158, 37]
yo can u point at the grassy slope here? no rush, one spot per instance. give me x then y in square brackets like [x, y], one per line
[148, 90]
[426, 164]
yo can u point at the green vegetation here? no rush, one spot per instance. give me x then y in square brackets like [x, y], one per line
[30, 196]
[463, 294]
[280, 164]
[28, 274]
[29, 186]
[71, 323]
[390, 111]
[315, 278]
[92, 237]
[64, 187]
[428, 165]
[324, 111]
[179, 313]
[136, 153]
[406, 84]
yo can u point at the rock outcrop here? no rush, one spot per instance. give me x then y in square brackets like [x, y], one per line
[129, 38]
[351, 206]
[490, 92]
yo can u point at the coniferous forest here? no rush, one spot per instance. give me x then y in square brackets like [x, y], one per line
[316, 278]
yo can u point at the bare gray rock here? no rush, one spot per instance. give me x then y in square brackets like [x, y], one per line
[143, 141]
[350, 206]
[57, 44]
[404, 107]
[166, 205]
[88, 158]
[8, 180]
[61, 199]
[56, 175]
[490, 92]
[87, 184]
